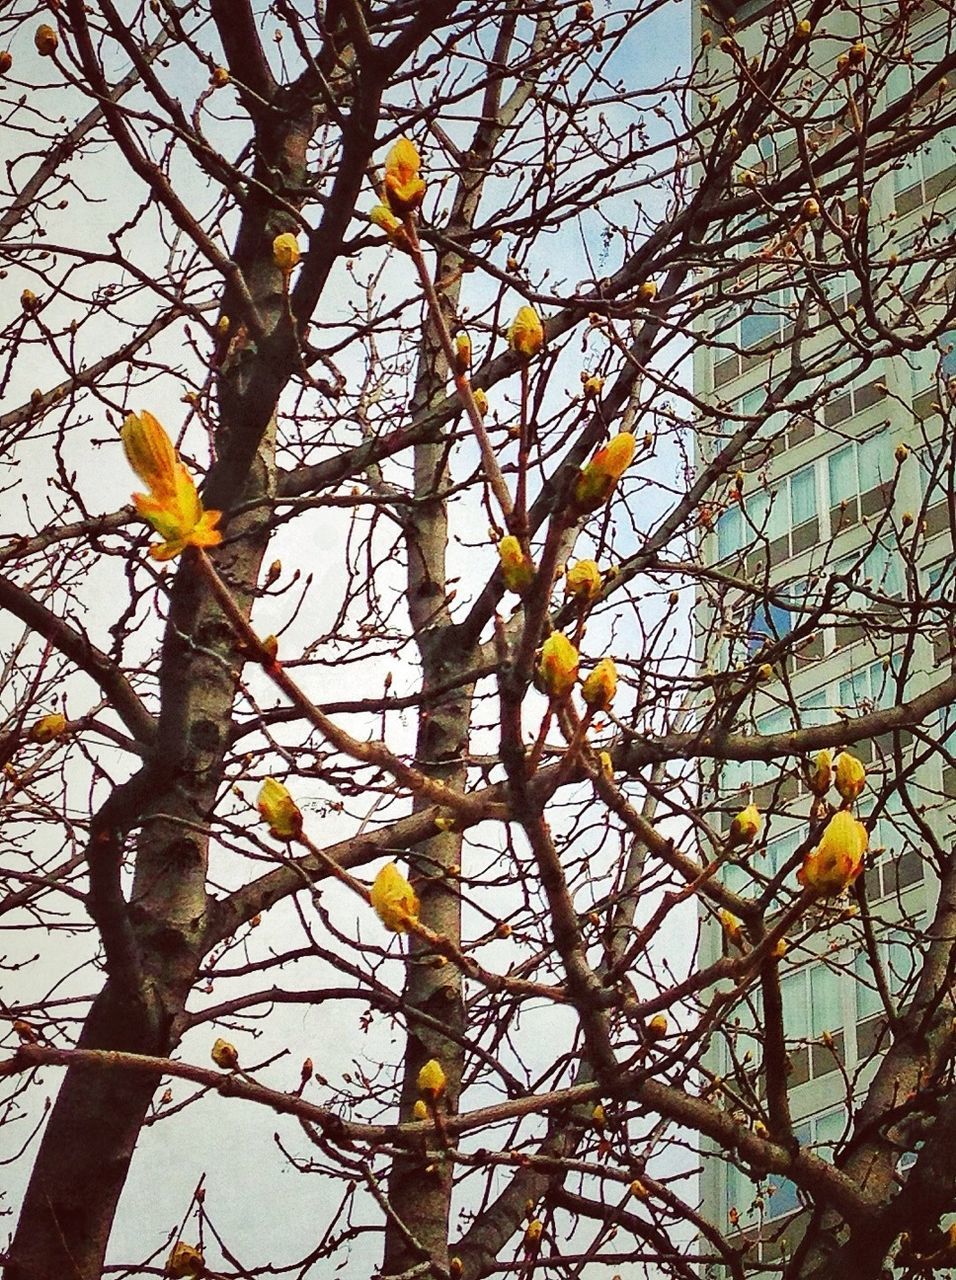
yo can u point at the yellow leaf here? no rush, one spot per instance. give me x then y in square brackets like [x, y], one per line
[172, 505]
[279, 810]
[393, 899]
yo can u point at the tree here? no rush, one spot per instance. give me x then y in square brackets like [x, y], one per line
[445, 414]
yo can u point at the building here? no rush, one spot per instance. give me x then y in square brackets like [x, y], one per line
[845, 521]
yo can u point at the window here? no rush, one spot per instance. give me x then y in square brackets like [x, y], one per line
[776, 1196]
[936, 359]
[756, 325]
[860, 394]
[859, 476]
[814, 1021]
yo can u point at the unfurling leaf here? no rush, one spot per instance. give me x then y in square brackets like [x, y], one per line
[393, 899]
[172, 505]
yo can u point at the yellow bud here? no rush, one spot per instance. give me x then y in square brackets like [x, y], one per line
[462, 353]
[596, 480]
[47, 728]
[404, 188]
[850, 776]
[657, 1027]
[838, 859]
[593, 385]
[765, 671]
[821, 775]
[647, 292]
[279, 810]
[746, 826]
[46, 40]
[393, 899]
[285, 252]
[533, 1230]
[598, 1116]
[28, 300]
[731, 927]
[481, 401]
[225, 1055]
[906, 519]
[638, 1190]
[219, 77]
[583, 580]
[444, 823]
[780, 949]
[517, 568]
[222, 325]
[184, 1260]
[600, 686]
[803, 29]
[606, 763]
[456, 1268]
[526, 335]
[420, 1110]
[558, 668]
[857, 53]
[432, 1079]
[901, 453]
[810, 209]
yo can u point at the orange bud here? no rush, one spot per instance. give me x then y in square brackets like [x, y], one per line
[6, 61]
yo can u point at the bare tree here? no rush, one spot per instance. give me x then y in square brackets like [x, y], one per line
[417, 291]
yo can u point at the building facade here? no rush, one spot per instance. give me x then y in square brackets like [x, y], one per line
[830, 554]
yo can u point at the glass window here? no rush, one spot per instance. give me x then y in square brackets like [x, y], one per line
[826, 1008]
[761, 323]
[730, 532]
[842, 474]
[796, 1014]
[771, 622]
[803, 495]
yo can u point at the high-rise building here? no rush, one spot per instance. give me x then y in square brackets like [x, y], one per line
[830, 557]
